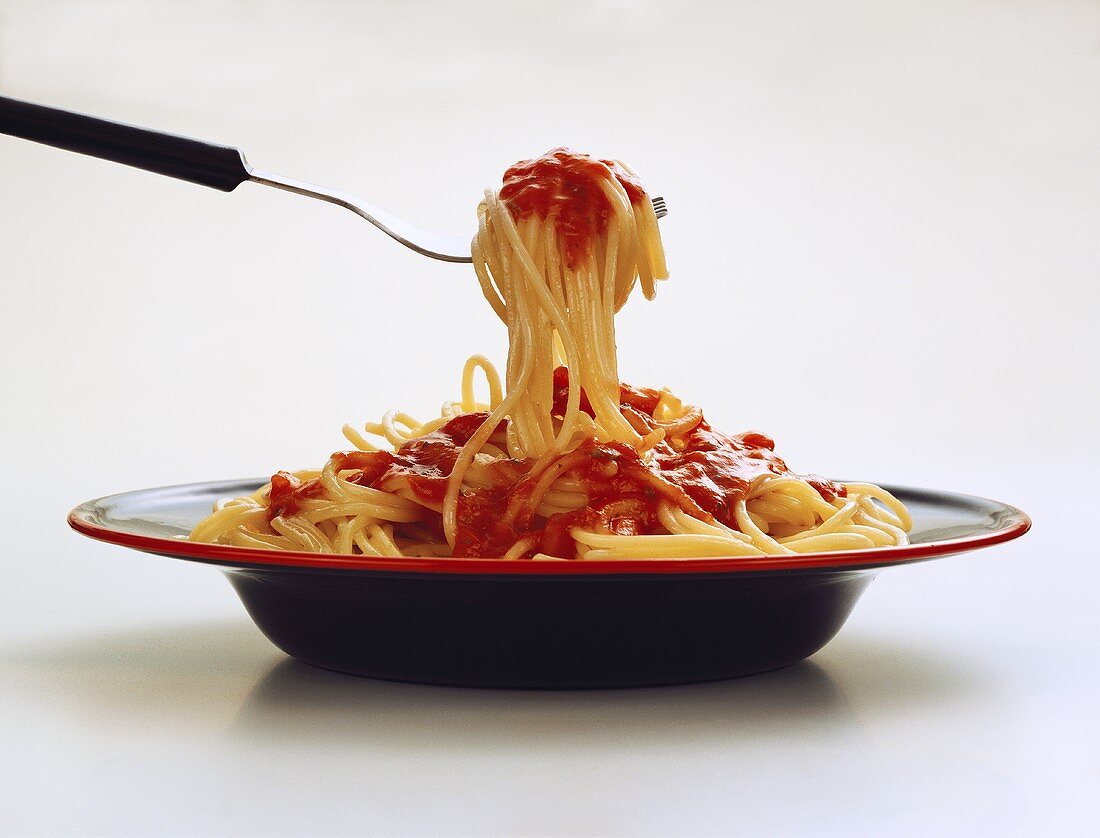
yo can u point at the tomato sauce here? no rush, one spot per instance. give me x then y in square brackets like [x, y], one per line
[705, 476]
[424, 462]
[288, 492]
[642, 399]
[568, 185]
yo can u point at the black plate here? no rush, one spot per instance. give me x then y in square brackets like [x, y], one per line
[554, 624]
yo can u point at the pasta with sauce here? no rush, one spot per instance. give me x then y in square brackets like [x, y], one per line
[563, 461]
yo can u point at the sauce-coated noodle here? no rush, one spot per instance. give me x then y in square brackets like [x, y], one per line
[563, 460]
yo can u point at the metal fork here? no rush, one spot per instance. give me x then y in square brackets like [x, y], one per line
[217, 166]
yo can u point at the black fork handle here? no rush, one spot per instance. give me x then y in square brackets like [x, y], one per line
[217, 166]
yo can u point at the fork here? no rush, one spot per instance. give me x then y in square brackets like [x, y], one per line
[208, 164]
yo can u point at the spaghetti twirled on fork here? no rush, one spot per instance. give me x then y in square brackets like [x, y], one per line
[563, 460]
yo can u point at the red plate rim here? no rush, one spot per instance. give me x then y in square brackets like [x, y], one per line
[253, 557]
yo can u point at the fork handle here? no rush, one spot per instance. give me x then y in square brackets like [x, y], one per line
[217, 166]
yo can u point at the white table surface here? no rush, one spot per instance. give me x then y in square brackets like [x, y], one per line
[884, 244]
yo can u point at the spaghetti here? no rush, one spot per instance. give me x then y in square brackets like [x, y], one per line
[563, 460]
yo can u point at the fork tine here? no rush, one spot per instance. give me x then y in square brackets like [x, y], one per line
[660, 209]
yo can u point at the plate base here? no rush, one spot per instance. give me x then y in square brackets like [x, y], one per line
[513, 632]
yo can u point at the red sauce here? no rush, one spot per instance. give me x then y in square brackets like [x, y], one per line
[642, 399]
[717, 470]
[707, 478]
[424, 463]
[568, 185]
[481, 529]
[288, 492]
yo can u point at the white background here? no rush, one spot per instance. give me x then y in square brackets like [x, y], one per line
[884, 237]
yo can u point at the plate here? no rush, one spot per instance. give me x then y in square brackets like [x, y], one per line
[543, 624]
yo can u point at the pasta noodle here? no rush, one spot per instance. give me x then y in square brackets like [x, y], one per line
[562, 461]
